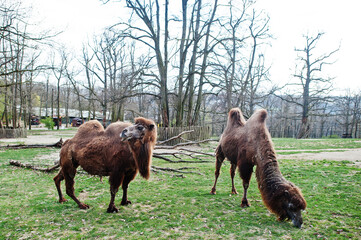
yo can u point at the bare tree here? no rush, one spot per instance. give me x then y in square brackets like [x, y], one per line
[71, 73]
[314, 87]
[206, 51]
[86, 61]
[349, 113]
[234, 25]
[183, 50]
[192, 64]
[18, 46]
[150, 14]
[239, 59]
[29, 84]
[356, 114]
[59, 71]
[259, 30]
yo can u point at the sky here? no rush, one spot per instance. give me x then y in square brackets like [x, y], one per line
[289, 21]
[78, 20]
[340, 21]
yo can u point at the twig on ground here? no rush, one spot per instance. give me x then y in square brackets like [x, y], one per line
[183, 144]
[180, 170]
[19, 164]
[175, 137]
[179, 161]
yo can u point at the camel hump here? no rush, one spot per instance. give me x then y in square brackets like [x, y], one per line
[235, 116]
[258, 117]
[116, 128]
[262, 115]
[89, 129]
[92, 125]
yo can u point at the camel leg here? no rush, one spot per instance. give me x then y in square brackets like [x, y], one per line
[232, 171]
[57, 179]
[219, 160]
[115, 181]
[127, 179]
[246, 173]
[69, 175]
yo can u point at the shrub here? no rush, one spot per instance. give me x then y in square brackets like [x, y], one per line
[49, 123]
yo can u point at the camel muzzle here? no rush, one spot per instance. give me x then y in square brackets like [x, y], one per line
[296, 218]
[124, 136]
[297, 222]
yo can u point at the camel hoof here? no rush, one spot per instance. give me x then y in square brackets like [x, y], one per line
[62, 200]
[213, 191]
[112, 209]
[245, 204]
[125, 203]
[234, 192]
[83, 206]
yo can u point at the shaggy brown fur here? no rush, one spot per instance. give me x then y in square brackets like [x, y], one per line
[119, 152]
[246, 144]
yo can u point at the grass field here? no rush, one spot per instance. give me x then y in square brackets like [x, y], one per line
[171, 207]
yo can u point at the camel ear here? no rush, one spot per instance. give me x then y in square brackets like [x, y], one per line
[287, 194]
[151, 127]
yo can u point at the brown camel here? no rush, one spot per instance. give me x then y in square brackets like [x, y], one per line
[119, 152]
[246, 144]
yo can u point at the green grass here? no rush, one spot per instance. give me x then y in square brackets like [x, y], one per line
[310, 151]
[169, 207]
[309, 144]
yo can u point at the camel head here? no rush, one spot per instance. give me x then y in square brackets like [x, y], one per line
[292, 205]
[141, 138]
[141, 130]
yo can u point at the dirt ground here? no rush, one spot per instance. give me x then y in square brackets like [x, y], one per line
[47, 137]
[353, 155]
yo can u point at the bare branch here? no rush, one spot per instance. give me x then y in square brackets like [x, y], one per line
[173, 138]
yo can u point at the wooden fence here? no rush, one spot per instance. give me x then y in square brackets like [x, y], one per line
[199, 133]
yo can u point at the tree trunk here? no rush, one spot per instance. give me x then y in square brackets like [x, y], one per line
[204, 67]
[58, 105]
[192, 65]
[46, 98]
[182, 59]
[52, 103]
[67, 106]
[164, 67]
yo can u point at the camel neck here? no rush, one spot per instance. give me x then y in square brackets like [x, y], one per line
[266, 154]
[269, 175]
[142, 154]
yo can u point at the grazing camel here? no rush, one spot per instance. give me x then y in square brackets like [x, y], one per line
[248, 144]
[119, 152]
